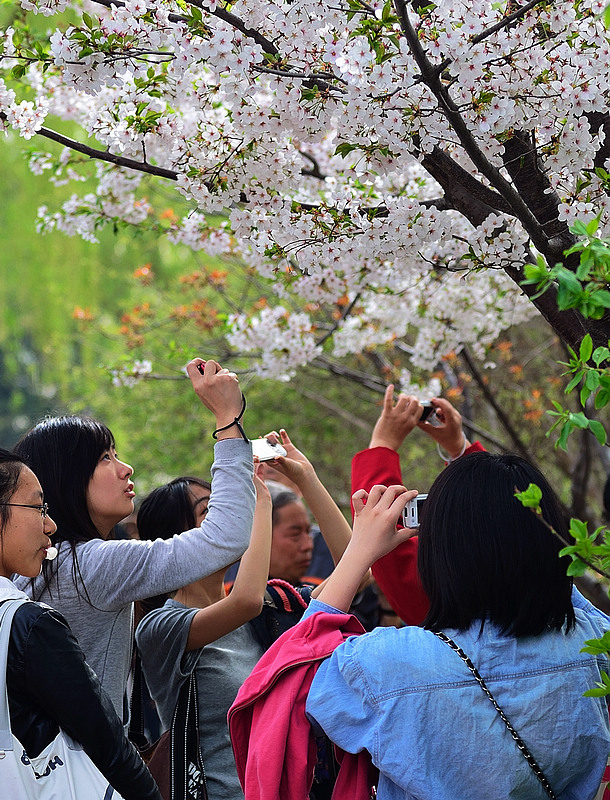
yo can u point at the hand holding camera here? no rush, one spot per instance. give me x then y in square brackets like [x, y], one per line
[218, 389]
[376, 514]
[288, 459]
[396, 420]
[412, 511]
[447, 432]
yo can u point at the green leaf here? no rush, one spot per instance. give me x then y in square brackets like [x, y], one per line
[576, 568]
[578, 529]
[579, 420]
[531, 497]
[602, 398]
[574, 382]
[586, 348]
[345, 148]
[598, 430]
[579, 228]
[600, 354]
[602, 297]
[18, 71]
[566, 430]
[597, 646]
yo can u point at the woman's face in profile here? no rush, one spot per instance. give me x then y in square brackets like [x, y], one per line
[110, 492]
[25, 538]
[200, 497]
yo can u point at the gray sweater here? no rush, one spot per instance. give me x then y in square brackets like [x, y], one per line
[112, 574]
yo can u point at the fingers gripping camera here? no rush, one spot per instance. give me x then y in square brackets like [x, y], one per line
[411, 512]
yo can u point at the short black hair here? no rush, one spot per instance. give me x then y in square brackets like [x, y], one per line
[63, 453]
[280, 496]
[11, 466]
[169, 509]
[484, 557]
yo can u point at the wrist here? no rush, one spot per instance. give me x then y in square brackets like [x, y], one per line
[380, 441]
[232, 429]
[307, 479]
[454, 451]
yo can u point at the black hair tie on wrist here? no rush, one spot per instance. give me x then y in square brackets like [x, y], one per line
[236, 421]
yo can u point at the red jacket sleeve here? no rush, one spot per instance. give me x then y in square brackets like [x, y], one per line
[396, 573]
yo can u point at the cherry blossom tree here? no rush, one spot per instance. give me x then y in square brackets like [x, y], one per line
[397, 164]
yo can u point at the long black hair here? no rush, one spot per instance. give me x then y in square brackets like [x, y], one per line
[63, 453]
[168, 509]
[483, 556]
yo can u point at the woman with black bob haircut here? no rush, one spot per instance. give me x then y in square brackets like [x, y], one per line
[95, 579]
[483, 556]
[486, 700]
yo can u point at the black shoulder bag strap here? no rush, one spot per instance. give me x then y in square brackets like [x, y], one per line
[186, 764]
[518, 740]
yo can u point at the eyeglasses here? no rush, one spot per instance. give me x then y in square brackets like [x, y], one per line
[43, 509]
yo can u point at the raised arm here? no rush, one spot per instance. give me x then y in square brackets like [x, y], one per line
[245, 600]
[294, 465]
[396, 421]
[375, 534]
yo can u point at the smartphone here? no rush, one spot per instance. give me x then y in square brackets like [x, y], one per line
[411, 512]
[265, 450]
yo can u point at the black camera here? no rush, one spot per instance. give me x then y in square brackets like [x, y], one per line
[429, 414]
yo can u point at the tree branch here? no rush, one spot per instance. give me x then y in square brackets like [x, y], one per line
[518, 443]
[104, 155]
[503, 23]
[341, 319]
[446, 105]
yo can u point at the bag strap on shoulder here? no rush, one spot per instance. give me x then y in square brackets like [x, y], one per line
[7, 612]
[518, 740]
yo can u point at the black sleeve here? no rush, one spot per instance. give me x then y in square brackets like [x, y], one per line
[62, 685]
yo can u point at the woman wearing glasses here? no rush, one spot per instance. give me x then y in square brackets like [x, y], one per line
[49, 684]
[94, 580]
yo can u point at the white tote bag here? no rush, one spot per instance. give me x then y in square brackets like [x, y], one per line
[63, 771]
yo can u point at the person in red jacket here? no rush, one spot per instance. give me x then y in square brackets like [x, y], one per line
[396, 573]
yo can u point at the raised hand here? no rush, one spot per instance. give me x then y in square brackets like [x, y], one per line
[448, 431]
[376, 514]
[294, 465]
[219, 390]
[396, 420]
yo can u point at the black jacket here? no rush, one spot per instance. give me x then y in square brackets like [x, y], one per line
[50, 685]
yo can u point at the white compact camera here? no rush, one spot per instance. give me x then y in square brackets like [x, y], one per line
[265, 450]
[411, 512]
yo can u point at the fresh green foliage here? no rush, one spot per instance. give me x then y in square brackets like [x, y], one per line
[586, 290]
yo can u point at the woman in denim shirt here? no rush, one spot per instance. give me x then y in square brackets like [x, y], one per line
[497, 587]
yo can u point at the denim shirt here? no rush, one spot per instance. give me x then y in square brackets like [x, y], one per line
[407, 698]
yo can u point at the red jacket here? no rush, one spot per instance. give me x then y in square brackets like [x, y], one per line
[273, 741]
[396, 573]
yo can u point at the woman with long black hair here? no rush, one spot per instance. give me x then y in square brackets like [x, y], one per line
[95, 580]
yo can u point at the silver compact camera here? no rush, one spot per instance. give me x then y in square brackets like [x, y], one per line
[267, 451]
[411, 512]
